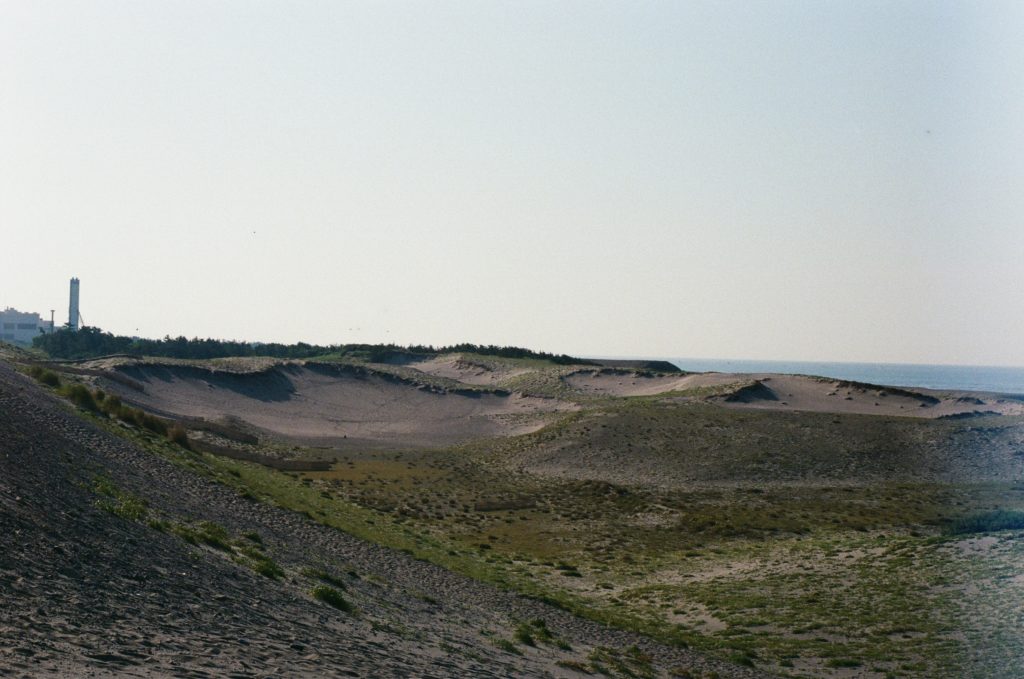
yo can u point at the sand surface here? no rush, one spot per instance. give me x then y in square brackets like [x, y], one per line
[334, 406]
[347, 407]
[813, 394]
[795, 393]
[465, 370]
[616, 382]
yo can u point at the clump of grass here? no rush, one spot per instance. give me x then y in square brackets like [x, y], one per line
[1000, 519]
[742, 659]
[45, 376]
[533, 631]
[118, 502]
[569, 570]
[177, 434]
[147, 421]
[575, 666]
[244, 553]
[507, 646]
[111, 405]
[81, 396]
[100, 402]
[213, 535]
[523, 635]
[216, 536]
[332, 597]
[266, 567]
[631, 663]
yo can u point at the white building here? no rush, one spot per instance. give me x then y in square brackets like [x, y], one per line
[20, 327]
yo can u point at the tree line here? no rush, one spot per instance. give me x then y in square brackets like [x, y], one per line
[92, 342]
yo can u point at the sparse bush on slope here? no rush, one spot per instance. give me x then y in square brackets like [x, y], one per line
[80, 395]
[45, 376]
[331, 596]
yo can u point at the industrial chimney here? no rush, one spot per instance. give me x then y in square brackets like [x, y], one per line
[73, 308]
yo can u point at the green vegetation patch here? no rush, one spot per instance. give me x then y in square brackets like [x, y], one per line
[44, 376]
[118, 502]
[332, 597]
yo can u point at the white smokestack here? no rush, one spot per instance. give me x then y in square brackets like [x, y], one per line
[73, 307]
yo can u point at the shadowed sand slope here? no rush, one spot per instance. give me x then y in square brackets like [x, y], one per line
[327, 404]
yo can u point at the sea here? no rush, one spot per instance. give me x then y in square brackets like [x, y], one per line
[1003, 380]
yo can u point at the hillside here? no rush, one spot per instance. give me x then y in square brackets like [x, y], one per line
[797, 525]
[121, 559]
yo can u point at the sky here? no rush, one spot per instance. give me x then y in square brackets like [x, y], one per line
[832, 181]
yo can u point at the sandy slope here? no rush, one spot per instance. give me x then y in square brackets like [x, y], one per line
[333, 405]
[617, 382]
[795, 392]
[465, 370]
[799, 392]
[344, 406]
[85, 592]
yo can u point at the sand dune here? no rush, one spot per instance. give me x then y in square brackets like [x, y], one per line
[814, 394]
[339, 406]
[618, 382]
[792, 392]
[350, 406]
[89, 590]
[468, 371]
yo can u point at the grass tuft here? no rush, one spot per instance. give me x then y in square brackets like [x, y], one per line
[81, 396]
[176, 434]
[331, 596]
[45, 376]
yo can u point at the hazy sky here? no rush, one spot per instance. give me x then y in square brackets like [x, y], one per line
[776, 180]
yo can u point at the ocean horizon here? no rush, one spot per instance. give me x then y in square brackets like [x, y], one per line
[997, 379]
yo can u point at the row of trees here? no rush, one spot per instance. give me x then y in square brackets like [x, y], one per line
[90, 342]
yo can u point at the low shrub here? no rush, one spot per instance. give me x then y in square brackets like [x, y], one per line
[118, 502]
[507, 646]
[111, 405]
[80, 396]
[331, 596]
[45, 376]
[124, 506]
[177, 434]
[267, 568]
[213, 535]
[523, 635]
[150, 422]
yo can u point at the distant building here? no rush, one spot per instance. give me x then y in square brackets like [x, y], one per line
[73, 313]
[20, 327]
